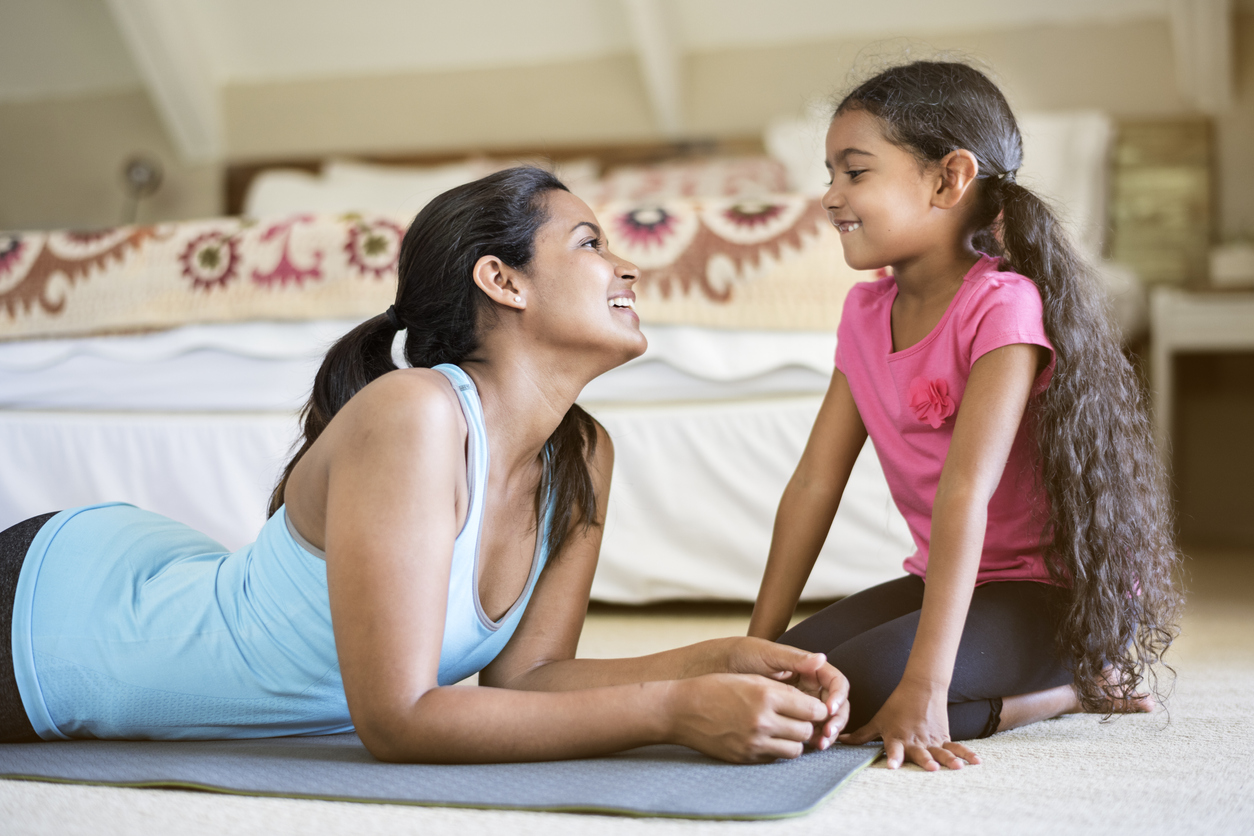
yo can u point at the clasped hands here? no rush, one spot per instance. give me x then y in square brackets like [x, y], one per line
[913, 722]
[786, 697]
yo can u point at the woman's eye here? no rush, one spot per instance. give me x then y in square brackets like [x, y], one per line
[595, 242]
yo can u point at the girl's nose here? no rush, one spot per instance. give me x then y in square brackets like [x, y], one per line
[831, 199]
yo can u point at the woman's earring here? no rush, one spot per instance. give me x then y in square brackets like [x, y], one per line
[517, 298]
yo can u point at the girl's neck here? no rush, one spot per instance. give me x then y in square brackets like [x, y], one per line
[936, 273]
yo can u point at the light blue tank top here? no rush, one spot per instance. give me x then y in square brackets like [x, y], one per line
[127, 624]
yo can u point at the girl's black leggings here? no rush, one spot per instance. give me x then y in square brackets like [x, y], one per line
[1007, 648]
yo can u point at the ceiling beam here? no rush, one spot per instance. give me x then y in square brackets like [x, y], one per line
[659, 62]
[176, 72]
[1201, 34]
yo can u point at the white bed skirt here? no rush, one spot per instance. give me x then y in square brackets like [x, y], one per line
[695, 488]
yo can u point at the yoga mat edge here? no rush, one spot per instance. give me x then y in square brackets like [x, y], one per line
[872, 756]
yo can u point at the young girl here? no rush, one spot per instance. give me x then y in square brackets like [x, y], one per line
[1011, 430]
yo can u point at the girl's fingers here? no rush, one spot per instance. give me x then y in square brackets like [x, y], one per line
[893, 750]
[963, 752]
[945, 757]
[921, 756]
[863, 735]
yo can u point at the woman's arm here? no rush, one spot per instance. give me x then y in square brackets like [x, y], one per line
[807, 508]
[541, 654]
[393, 462]
[914, 722]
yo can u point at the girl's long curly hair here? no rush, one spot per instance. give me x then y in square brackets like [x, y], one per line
[1109, 533]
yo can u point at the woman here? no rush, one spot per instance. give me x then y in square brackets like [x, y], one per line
[437, 521]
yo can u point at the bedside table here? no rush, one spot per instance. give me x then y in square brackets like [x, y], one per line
[1181, 321]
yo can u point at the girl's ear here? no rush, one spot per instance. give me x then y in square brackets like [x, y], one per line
[500, 281]
[958, 170]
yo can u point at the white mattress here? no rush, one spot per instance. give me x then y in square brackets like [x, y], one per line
[270, 366]
[196, 424]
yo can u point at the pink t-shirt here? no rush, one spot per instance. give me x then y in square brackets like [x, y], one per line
[909, 399]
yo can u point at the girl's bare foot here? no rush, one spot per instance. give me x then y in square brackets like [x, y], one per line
[1024, 709]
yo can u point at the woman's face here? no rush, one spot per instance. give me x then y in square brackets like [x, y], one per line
[880, 199]
[580, 294]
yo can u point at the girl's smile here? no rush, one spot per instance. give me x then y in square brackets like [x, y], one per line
[879, 198]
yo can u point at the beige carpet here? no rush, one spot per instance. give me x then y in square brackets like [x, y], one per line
[1184, 771]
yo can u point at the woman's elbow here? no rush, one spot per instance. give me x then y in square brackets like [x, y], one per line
[386, 730]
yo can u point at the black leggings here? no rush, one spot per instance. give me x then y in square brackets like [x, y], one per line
[1007, 648]
[15, 727]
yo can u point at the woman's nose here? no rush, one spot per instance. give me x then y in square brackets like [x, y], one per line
[624, 269]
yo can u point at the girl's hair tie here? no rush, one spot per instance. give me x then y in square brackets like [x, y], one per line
[393, 318]
[1005, 178]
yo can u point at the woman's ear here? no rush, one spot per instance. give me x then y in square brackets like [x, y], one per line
[958, 170]
[500, 282]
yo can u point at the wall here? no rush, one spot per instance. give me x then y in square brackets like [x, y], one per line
[60, 158]
[61, 163]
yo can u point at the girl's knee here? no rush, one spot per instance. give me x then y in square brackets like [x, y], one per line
[872, 679]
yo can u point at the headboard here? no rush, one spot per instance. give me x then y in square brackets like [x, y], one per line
[239, 175]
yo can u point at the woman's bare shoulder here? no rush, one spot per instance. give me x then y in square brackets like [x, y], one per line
[418, 403]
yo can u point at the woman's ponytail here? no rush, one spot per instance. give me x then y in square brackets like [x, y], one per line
[355, 359]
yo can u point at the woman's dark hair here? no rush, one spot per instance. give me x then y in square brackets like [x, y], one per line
[1109, 535]
[443, 312]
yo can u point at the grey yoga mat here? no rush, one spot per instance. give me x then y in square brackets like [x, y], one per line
[650, 781]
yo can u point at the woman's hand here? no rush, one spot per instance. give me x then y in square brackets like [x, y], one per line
[809, 673]
[914, 722]
[743, 718]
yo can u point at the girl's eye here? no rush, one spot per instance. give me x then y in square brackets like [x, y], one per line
[853, 174]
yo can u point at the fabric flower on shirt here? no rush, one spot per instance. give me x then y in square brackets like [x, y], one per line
[930, 400]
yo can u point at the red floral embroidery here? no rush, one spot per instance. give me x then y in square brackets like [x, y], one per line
[930, 400]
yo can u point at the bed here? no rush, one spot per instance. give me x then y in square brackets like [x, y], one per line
[165, 365]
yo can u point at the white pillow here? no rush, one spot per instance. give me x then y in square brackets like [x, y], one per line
[349, 186]
[798, 143]
[284, 191]
[1066, 159]
[400, 189]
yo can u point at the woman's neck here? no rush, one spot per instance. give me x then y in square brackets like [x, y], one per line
[523, 400]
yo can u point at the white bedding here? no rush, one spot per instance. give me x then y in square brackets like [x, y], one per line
[196, 423]
[268, 366]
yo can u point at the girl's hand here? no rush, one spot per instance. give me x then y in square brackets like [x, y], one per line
[915, 722]
[743, 718]
[809, 673]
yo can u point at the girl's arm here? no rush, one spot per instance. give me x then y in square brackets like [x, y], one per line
[807, 508]
[392, 466]
[914, 722]
[541, 654]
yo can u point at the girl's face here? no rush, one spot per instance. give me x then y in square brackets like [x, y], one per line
[880, 198]
[580, 293]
